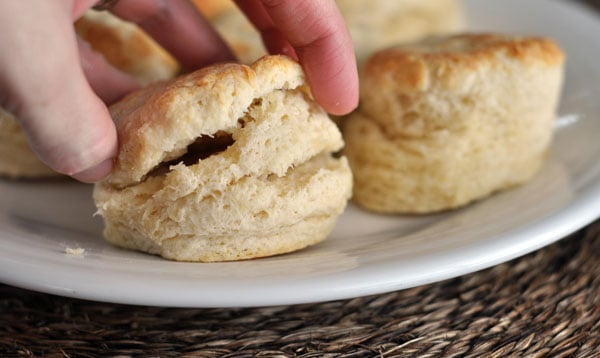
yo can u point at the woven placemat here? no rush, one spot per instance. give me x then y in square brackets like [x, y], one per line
[544, 304]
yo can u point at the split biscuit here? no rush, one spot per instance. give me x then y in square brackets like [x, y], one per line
[227, 163]
[452, 119]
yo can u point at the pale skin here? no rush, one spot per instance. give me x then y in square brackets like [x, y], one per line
[59, 88]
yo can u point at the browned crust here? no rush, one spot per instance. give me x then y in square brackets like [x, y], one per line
[443, 57]
[212, 8]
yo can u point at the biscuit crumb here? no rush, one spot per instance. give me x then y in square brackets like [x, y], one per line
[75, 252]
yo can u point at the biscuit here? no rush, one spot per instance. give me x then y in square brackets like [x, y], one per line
[227, 163]
[452, 119]
[126, 46]
[378, 24]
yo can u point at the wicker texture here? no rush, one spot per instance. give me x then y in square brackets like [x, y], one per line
[544, 304]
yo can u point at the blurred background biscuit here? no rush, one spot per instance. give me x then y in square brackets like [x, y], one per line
[452, 119]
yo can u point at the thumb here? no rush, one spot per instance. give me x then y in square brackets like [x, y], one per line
[42, 83]
[72, 133]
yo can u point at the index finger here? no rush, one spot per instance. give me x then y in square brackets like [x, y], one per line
[321, 40]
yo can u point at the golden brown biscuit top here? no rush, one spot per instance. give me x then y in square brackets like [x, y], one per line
[412, 65]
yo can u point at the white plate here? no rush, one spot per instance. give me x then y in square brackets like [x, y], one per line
[366, 254]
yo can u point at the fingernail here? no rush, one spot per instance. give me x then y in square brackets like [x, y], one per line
[95, 173]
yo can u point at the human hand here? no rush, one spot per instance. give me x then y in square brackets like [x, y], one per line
[57, 86]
